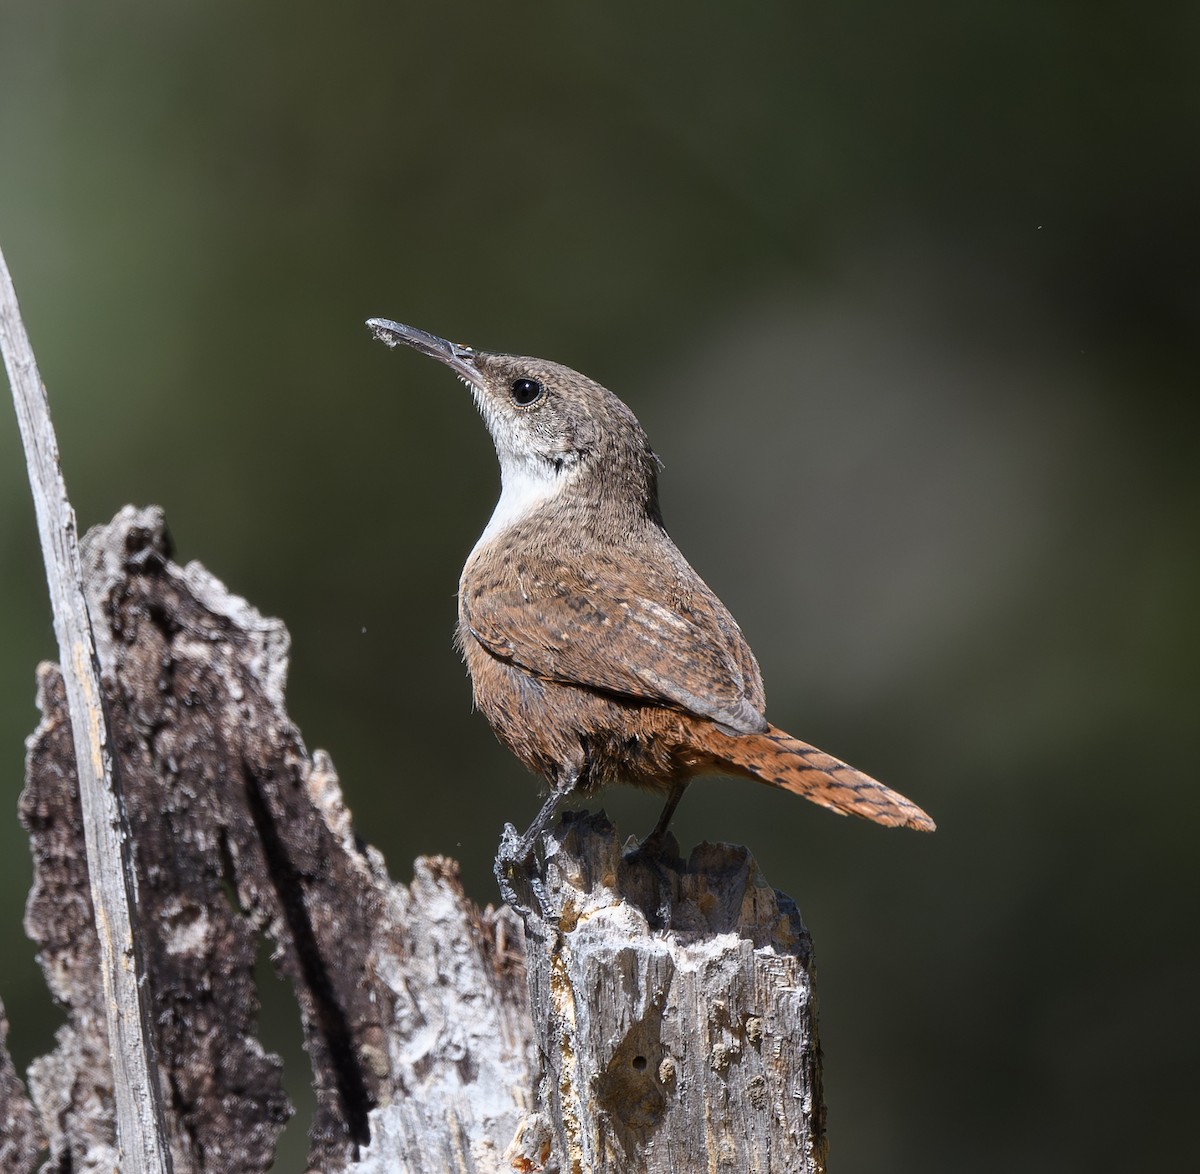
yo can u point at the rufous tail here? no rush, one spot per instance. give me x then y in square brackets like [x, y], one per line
[779, 759]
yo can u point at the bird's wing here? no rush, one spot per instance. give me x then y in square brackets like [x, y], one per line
[666, 638]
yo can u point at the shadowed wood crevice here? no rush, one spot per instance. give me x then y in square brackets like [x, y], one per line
[356, 1099]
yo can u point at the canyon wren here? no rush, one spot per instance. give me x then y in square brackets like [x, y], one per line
[595, 651]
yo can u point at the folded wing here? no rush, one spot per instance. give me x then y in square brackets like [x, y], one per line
[665, 639]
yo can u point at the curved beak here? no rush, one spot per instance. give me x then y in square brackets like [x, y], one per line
[459, 359]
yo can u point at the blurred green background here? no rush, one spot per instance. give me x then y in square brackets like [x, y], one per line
[907, 299]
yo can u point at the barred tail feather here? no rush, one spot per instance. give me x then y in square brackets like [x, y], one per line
[777, 758]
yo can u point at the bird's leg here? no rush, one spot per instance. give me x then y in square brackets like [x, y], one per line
[514, 851]
[518, 848]
[653, 843]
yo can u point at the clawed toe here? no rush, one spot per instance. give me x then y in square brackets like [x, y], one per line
[514, 848]
[517, 875]
[510, 859]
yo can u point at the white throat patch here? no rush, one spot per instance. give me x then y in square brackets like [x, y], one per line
[523, 487]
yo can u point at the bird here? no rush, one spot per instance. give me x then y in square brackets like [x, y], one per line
[595, 651]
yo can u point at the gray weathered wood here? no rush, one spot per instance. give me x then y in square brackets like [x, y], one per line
[139, 1111]
[674, 1010]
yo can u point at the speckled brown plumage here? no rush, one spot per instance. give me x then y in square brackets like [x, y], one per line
[596, 652]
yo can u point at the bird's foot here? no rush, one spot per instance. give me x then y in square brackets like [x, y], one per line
[518, 876]
[521, 885]
[512, 867]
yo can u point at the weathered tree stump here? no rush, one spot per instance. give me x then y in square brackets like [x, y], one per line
[668, 1022]
[675, 1012]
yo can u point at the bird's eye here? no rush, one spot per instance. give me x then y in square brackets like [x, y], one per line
[527, 391]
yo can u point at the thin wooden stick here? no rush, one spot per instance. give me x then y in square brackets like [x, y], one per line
[141, 1131]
